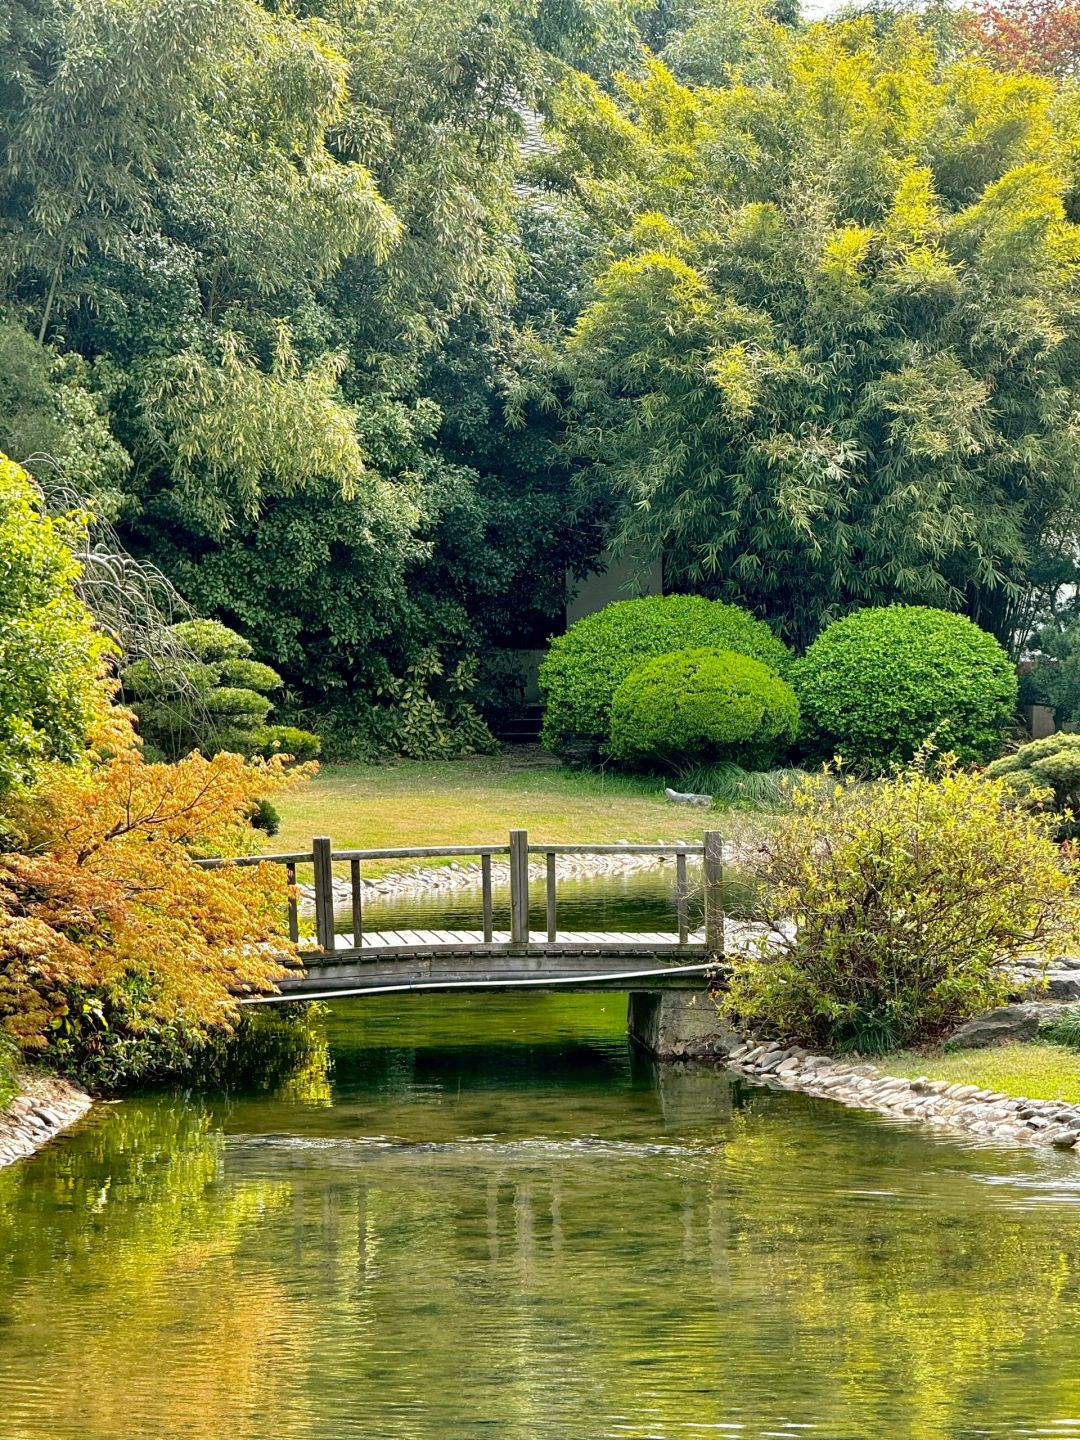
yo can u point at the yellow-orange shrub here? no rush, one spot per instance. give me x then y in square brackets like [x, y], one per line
[103, 888]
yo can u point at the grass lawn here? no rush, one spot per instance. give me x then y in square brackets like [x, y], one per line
[480, 799]
[1037, 1071]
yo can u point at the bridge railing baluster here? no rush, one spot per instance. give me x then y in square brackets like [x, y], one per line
[294, 913]
[356, 893]
[485, 886]
[714, 893]
[323, 865]
[519, 887]
[681, 897]
[552, 901]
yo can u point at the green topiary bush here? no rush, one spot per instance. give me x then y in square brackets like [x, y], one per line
[289, 740]
[876, 684]
[1047, 773]
[210, 697]
[585, 667]
[696, 706]
[266, 817]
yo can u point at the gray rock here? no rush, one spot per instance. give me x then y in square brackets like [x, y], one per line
[1063, 984]
[1007, 1023]
[678, 797]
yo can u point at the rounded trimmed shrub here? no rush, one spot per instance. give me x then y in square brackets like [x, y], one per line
[584, 667]
[878, 683]
[697, 706]
[1046, 773]
[286, 740]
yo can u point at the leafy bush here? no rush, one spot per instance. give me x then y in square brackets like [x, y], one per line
[1046, 773]
[112, 1042]
[584, 668]
[429, 713]
[210, 696]
[287, 740]
[49, 653]
[908, 896]
[877, 684]
[697, 706]
[266, 817]
[112, 940]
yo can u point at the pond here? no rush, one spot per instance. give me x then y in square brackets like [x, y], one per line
[637, 900]
[492, 1218]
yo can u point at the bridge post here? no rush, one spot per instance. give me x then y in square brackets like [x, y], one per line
[714, 893]
[519, 887]
[324, 892]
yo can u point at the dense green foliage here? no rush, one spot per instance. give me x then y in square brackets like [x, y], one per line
[1055, 677]
[109, 1047]
[1046, 773]
[908, 897]
[256, 261]
[585, 667]
[284, 294]
[877, 684]
[210, 695]
[698, 706]
[49, 654]
[831, 362]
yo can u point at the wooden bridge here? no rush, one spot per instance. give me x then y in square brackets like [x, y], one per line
[366, 962]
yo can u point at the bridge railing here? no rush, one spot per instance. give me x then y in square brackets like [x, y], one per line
[322, 857]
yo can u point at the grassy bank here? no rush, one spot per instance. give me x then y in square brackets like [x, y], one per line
[481, 799]
[1038, 1071]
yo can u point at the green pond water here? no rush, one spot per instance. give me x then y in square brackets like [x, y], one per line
[640, 900]
[490, 1218]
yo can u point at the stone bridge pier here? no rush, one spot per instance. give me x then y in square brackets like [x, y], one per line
[677, 1024]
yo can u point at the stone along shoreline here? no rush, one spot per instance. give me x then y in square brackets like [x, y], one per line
[987, 1113]
[46, 1106]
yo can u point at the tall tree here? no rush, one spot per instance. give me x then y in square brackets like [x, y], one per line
[833, 360]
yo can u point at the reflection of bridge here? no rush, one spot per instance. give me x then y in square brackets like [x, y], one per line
[365, 962]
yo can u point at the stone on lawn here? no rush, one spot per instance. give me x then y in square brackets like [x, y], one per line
[996, 1027]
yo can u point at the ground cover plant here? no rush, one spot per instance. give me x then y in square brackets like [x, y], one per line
[876, 685]
[700, 706]
[906, 895]
[585, 667]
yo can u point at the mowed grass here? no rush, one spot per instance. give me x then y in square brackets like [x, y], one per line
[1036, 1071]
[480, 800]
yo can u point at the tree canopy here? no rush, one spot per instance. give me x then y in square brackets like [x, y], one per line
[368, 322]
[836, 338]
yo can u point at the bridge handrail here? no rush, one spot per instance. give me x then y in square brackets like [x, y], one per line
[419, 852]
[322, 857]
[215, 862]
[672, 848]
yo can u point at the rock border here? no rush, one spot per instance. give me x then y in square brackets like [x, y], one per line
[986, 1113]
[47, 1106]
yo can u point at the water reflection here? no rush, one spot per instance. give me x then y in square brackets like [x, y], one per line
[638, 900]
[505, 1223]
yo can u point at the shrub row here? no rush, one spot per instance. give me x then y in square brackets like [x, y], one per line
[679, 680]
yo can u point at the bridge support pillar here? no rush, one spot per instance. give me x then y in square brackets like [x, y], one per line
[678, 1024]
